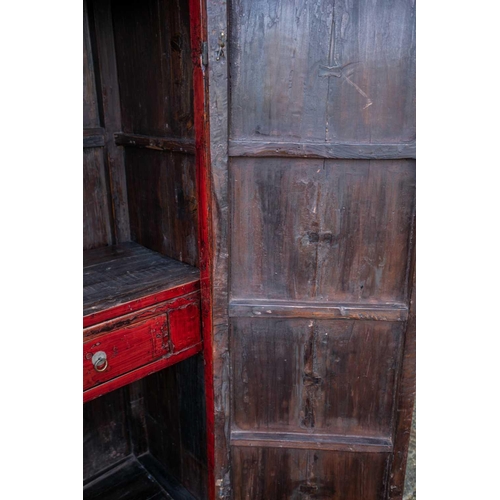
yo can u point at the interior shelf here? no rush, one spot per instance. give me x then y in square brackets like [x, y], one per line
[126, 274]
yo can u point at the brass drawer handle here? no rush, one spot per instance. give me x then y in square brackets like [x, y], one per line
[100, 361]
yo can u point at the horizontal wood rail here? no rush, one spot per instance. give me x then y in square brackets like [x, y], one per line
[175, 145]
[322, 150]
[93, 137]
[257, 308]
[297, 440]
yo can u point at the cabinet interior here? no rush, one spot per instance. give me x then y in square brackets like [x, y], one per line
[146, 439]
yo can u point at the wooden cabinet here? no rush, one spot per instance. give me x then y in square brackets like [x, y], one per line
[249, 248]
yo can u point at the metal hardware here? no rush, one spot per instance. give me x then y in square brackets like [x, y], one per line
[204, 53]
[222, 44]
[100, 361]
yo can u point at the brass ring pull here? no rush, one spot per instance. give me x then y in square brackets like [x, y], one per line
[100, 361]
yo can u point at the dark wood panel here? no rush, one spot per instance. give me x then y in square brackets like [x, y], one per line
[321, 230]
[298, 440]
[299, 375]
[129, 481]
[275, 51]
[162, 202]
[175, 416]
[110, 103]
[218, 212]
[321, 150]
[156, 143]
[320, 310]
[93, 137]
[405, 402]
[121, 274]
[287, 474]
[97, 229]
[371, 72]
[106, 438]
[154, 66]
[346, 71]
[90, 102]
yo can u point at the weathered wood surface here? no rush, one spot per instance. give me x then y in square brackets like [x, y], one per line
[313, 206]
[154, 67]
[301, 440]
[405, 403]
[258, 308]
[106, 438]
[93, 137]
[321, 230]
[156, 143]
[176, 425]
[97, 228]
[282, 474]
[110, 106]
[119, 275]
[321, 150]
[217, 23]
[322, 71]
[128, 481]
[162, 202]
[321, 376]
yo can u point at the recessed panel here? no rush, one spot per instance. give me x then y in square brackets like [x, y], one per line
[323, 376]
[335, 230]
[289, 474]
[323, 71]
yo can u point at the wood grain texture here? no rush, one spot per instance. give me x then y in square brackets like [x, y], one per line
[300, 440]
[101, 16]
[319, 376]
[285, 474]
[162, 202]
[154, 67]
[322, 150]
[346, 70]
[176, 424]
[255, 308]
[123, 278]
[93, 137]
[405, 402]
[106, 438]
[321, 230]
[219, 213]
[156, 143]
[97, 229]
[90, 103]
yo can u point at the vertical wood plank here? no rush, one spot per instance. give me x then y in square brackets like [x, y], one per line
[219, 212]
[108, 77]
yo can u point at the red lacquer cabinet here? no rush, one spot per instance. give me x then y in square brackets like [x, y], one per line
[249, 243]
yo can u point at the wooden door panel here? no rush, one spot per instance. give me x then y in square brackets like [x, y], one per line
[291, 474]
[324, 71]
[306, 229]
[302, 375]
[313, 216]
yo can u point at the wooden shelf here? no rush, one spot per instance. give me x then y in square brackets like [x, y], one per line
[127, 277]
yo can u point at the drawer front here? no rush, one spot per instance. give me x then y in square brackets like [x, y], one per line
[126, 349]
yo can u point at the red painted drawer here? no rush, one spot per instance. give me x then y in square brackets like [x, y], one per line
[126, 349]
